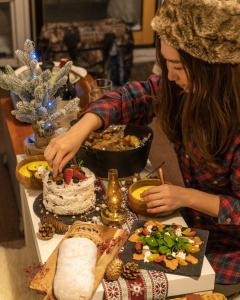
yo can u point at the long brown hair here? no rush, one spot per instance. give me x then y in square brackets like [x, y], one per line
[208, 116]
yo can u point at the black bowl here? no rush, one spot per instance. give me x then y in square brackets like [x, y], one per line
[126, 162]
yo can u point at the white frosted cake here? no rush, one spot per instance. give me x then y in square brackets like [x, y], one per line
[70, 194]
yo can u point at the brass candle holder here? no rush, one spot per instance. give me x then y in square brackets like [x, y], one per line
[113, 214]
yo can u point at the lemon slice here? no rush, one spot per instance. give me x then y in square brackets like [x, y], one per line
[32, 167]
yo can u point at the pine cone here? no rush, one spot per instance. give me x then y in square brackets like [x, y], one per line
[130, 270]
[59, 226]
[114, 270]
[46, 231]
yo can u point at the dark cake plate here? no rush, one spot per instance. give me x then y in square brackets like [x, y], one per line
[91, 216]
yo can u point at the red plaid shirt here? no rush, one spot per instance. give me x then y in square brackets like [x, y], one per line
[132, 103]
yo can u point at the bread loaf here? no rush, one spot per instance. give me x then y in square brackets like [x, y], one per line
[74, 278]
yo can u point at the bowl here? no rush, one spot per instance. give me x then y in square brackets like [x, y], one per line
[126, 162]
[137, 204]
[25, 176]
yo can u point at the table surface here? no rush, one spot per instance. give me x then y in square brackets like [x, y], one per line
[177, 284]
[18, 131]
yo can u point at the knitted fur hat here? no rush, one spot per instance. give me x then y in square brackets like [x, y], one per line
[206, 29]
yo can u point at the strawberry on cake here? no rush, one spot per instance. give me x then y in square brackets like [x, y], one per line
[71, 193]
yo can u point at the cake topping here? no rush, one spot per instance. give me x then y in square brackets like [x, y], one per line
[73, 172]
[68, 175]
[75, 180]
[59, 182]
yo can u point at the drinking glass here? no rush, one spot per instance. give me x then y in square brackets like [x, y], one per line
[99, 87]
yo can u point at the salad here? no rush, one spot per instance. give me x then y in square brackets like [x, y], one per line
[173, 245]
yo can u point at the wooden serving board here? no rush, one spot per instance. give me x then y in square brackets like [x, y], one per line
[105, 237]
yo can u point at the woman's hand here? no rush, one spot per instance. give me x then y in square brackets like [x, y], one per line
[165, 197]
[63, 148]
[168, 197]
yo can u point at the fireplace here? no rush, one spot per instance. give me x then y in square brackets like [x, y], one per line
[22, 19]
[137, 13]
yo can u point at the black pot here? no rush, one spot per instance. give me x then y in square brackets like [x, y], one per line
[126, 162]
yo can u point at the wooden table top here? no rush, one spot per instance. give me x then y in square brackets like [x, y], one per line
[18, 131]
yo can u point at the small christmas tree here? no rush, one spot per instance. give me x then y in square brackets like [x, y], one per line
[38, 94]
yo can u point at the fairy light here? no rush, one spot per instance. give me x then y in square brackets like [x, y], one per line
[35, 55]
[51, 104]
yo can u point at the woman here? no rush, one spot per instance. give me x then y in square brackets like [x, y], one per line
[198, 105]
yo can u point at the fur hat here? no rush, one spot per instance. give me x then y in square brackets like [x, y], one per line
[206, 29]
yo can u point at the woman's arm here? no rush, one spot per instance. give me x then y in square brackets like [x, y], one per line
[63, 148]
[224, 206]
[130, 104]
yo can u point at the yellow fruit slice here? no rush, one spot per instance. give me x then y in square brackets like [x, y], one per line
[32, 167]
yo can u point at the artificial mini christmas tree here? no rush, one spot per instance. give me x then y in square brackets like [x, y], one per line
[37, 94]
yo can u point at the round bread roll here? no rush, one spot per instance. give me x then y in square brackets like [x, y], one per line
[74, 278]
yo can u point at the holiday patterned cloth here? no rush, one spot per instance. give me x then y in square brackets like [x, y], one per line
[149, 285]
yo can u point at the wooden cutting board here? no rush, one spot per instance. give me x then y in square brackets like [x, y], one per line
[109, 241]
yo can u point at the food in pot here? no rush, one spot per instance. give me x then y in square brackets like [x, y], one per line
[113, 139]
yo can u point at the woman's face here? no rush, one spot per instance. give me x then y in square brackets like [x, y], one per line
[176, 71]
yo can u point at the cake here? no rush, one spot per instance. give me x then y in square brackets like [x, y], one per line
[71, 193]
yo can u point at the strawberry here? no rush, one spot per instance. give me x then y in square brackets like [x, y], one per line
[79, 174]
[68, 175]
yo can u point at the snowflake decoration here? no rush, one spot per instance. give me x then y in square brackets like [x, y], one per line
[113, 291]
[136, 289]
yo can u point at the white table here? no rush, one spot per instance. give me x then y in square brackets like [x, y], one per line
[177, 285]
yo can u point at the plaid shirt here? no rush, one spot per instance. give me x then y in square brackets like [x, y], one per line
[132, 103]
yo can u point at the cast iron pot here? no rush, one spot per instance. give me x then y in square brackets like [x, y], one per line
[126, 162]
